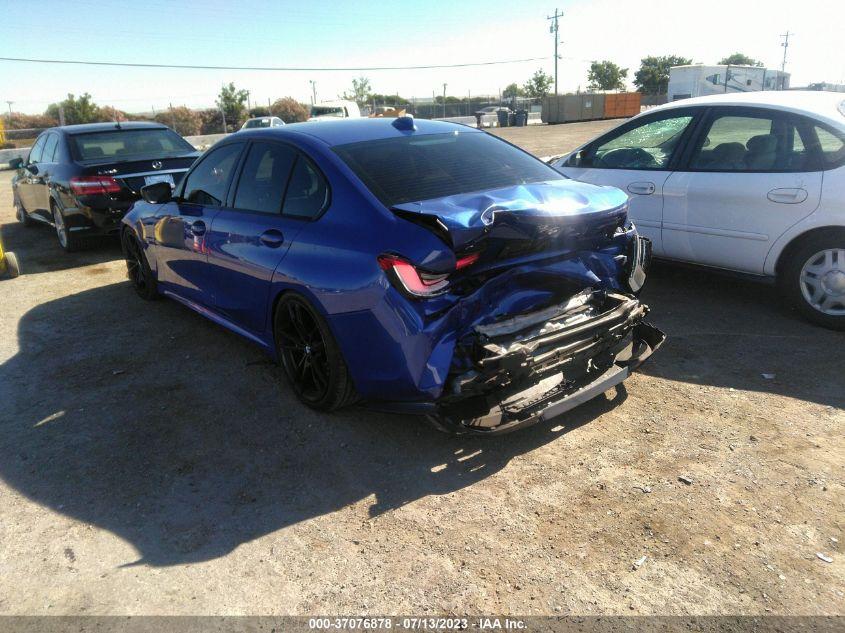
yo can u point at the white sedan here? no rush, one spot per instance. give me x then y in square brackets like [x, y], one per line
[752, 183]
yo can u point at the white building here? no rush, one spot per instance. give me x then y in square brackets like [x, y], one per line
[698, 80]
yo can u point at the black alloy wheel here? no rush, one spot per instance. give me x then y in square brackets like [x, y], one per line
[137, 269]
[310, 356]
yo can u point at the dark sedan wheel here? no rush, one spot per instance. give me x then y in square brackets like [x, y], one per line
[21, 214]
[67, 239]
[137, 268]
[310, 356]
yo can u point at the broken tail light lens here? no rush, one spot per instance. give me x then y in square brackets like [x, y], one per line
[410, 280]
[94, 185]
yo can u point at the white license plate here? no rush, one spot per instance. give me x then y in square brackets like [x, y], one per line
[168, 178]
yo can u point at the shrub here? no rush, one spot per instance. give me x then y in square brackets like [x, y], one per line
[211, 121]
[289, 110]
[185, 121]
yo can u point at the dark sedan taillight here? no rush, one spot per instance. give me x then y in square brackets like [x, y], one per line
[94, 185]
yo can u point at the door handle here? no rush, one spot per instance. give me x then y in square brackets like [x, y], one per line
[198, 228]
[787, 195]
[642, 188]
[272, 238]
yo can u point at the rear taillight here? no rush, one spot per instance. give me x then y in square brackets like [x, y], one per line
[94, 185]
[415, 282]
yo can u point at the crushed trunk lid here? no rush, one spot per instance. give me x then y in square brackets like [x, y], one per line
[537, 211]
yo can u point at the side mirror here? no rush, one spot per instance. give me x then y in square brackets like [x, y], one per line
[32, 168]
[16, 163]
[157, 193]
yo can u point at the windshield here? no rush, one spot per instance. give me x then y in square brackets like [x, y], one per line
[416, 168]
[327, 111]
[252, 123]
[127, 144]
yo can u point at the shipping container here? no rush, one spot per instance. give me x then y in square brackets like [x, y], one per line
[623, 104]
[568, 108]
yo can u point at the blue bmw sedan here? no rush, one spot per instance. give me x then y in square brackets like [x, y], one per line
[419, 266]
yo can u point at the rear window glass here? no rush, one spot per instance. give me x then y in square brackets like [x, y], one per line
[415, 168]
[123, 144]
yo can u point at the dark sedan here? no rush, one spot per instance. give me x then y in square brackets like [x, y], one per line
[81, 179]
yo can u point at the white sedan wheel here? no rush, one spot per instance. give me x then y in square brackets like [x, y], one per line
[822, 281]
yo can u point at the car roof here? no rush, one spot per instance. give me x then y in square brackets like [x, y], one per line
[85, 128]
[826, 105]
[344, 131]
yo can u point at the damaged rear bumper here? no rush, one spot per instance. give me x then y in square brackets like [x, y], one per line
[537, 366]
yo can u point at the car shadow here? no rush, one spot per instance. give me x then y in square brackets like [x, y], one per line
[38, 250]
[735, 333]
[181, 438]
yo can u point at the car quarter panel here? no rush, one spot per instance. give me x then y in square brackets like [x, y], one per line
[830, 213]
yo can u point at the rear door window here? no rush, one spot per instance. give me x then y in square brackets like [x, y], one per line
[753, 142]
[208, 182]
[307, 192]
[50, 148]
[37, 150]
[264, 177]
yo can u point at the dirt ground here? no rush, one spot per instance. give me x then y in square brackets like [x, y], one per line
[153, 463]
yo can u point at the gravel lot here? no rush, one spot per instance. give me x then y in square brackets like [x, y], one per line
[153, 463]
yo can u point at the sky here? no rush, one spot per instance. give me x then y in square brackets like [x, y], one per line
[356, 34]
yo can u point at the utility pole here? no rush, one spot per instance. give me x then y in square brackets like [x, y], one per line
[553, 29]
[248, 105]
[785, 44]
[313, 91]
[444, 101]
[10, 110]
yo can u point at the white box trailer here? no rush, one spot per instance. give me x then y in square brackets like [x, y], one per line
[698, 80]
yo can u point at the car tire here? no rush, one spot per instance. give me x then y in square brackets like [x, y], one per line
[67, 240]
[813, 278]
[137, 267]
[310, 356]
[21, 214]
[13, 268]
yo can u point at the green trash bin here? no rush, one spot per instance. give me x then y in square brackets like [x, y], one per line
[503, 117]
[521, 118]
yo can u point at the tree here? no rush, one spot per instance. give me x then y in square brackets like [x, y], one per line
[653, 76]
[110, 113]
[361, 90]
[233, 103]
[511, 91]
[389, 99]
[738, 59]
[81, 110]
[257, 111]
[539, 84]
[606, 75]
[185, 121]
[289, 110]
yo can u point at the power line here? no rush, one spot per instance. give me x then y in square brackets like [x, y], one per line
[267, 68]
